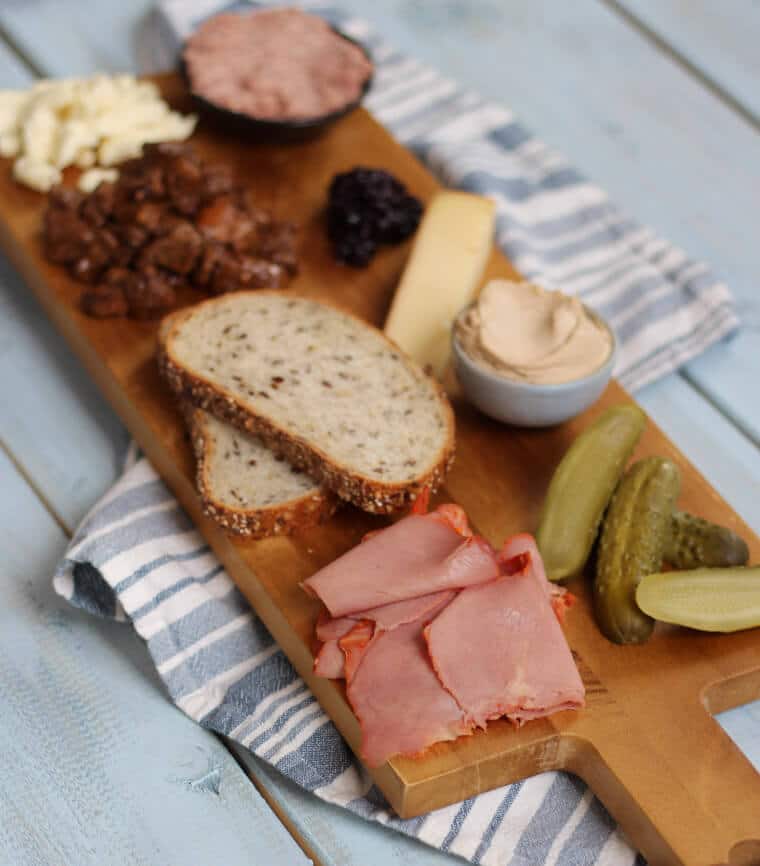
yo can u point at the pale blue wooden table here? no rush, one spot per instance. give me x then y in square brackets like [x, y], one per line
[659, 100]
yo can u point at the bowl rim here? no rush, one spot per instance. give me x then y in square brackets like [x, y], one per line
[603, 370]
[267, 123]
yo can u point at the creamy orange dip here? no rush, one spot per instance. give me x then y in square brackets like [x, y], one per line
[526, 333]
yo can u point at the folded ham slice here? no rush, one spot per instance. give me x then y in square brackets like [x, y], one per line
[436, 633]
[329, 661]
[397, 697]
[417, 556]
[498, 648]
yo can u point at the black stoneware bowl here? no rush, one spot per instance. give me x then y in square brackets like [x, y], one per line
[267, 130]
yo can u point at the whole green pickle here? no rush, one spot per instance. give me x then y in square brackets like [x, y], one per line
[634, 536]
[582, 486]
[695, 542]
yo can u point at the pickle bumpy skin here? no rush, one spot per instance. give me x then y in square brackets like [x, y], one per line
[581, 488]
[632, 544]
[695, 542]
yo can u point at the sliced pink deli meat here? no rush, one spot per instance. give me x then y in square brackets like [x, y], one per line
[414, 557]
[499, 650]
[329, 661]
[399, 701]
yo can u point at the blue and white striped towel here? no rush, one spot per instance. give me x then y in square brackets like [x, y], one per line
[137, 556]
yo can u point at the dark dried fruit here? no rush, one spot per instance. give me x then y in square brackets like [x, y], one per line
[367, 207]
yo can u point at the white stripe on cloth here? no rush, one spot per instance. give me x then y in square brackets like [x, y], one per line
[437, 824]
[165, 576]
[212, 637]
[210, 695]
[155, 508]
[560, 840]
[617, 851]
[477, 822]
[289, 743]
[351, 784]
[270, 721]
[182, 603]
[673, 328]
[465, 128]
[551, 204]
[123, 564]
[520, 814]
[262, 710]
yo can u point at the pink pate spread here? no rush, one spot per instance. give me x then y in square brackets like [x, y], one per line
[277, 64]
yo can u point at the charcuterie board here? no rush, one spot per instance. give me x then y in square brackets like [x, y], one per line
[646, 742]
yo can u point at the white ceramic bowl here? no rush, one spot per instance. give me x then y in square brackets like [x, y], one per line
[524, 404]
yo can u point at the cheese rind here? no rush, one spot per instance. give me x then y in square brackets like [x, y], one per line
[445, 268]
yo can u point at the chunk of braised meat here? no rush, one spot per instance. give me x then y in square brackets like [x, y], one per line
[233, 273]
[99, 254]
[184, 184]
[97, 207]
[225, 221]
[142, 180]
[149, 293]
[169, 221]
[176, 251]
[217, 180]
[277, 242]
[108, 298]
[213, 253]
[66, 236]
[65, 197]
[218, 218]
[133, 237]
[150, 215]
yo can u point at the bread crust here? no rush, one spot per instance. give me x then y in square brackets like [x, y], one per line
[285, 518]
[369, 494]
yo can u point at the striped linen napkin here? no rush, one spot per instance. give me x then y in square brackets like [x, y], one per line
[555, 226]
[137, 557]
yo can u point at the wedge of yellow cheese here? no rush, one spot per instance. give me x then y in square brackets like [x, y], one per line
[444, 271]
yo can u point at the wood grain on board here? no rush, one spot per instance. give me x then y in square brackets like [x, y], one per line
[646, 742]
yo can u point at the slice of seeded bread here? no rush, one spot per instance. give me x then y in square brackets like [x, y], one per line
[321, 387]
[248, 489]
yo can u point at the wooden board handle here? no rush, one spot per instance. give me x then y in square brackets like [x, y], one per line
[682, 806]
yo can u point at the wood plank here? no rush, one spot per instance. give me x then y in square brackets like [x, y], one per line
[718, 41]
[721, 452]
[75, 466]
[12, 72]
[336, 836]
[99, 771]
[72, 38]
[119, 354]
[69, 441]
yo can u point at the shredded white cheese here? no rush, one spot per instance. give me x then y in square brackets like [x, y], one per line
[87, 122]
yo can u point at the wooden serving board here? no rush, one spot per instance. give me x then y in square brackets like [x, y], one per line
[646, 742]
